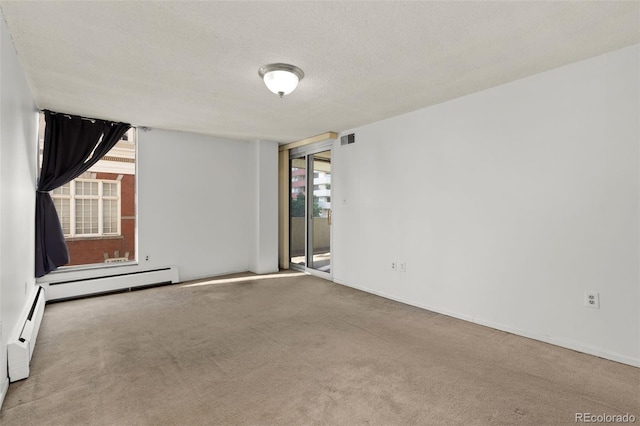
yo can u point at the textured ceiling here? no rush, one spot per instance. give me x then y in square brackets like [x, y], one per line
[193, 66]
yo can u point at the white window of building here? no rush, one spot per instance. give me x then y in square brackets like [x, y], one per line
[88, 207]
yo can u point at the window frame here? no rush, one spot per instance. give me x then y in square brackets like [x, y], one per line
[72, 197]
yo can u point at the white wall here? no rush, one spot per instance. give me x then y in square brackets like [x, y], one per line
[195, 201]
[263, 253]
[506, 205]
[18, 139]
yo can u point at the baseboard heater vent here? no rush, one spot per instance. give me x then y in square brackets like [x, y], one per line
[83, 287]
[20, 351]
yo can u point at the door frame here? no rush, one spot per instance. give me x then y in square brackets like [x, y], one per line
[307, 152]
[322, 142]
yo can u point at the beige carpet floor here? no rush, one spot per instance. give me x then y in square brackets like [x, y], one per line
[297, 350]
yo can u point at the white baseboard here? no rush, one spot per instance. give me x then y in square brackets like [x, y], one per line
[576, 346]
[3, 390]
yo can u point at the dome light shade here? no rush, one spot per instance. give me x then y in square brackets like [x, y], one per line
[281, 79]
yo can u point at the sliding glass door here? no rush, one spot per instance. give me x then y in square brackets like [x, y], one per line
[310, 211]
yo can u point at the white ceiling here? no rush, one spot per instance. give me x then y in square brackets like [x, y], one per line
[193, 66]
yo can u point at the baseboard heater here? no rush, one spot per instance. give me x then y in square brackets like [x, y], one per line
[20, 351]
[82, 287]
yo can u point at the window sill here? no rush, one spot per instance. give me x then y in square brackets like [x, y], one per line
[95, 238]
[63, 270]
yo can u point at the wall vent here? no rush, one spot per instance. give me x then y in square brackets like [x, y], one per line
[347, 139]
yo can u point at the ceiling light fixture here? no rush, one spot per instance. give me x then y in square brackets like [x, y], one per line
[281, 79]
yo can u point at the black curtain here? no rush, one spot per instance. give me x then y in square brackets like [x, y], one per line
[72, 145]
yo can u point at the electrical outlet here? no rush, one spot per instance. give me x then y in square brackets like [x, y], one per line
[592, 299]
[394, 266]
[402, 266]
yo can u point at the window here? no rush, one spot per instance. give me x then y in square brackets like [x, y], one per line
[88, 207]
[97, 210]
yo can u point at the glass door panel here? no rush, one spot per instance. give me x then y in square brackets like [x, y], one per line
[319, 232]
[297, 211]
